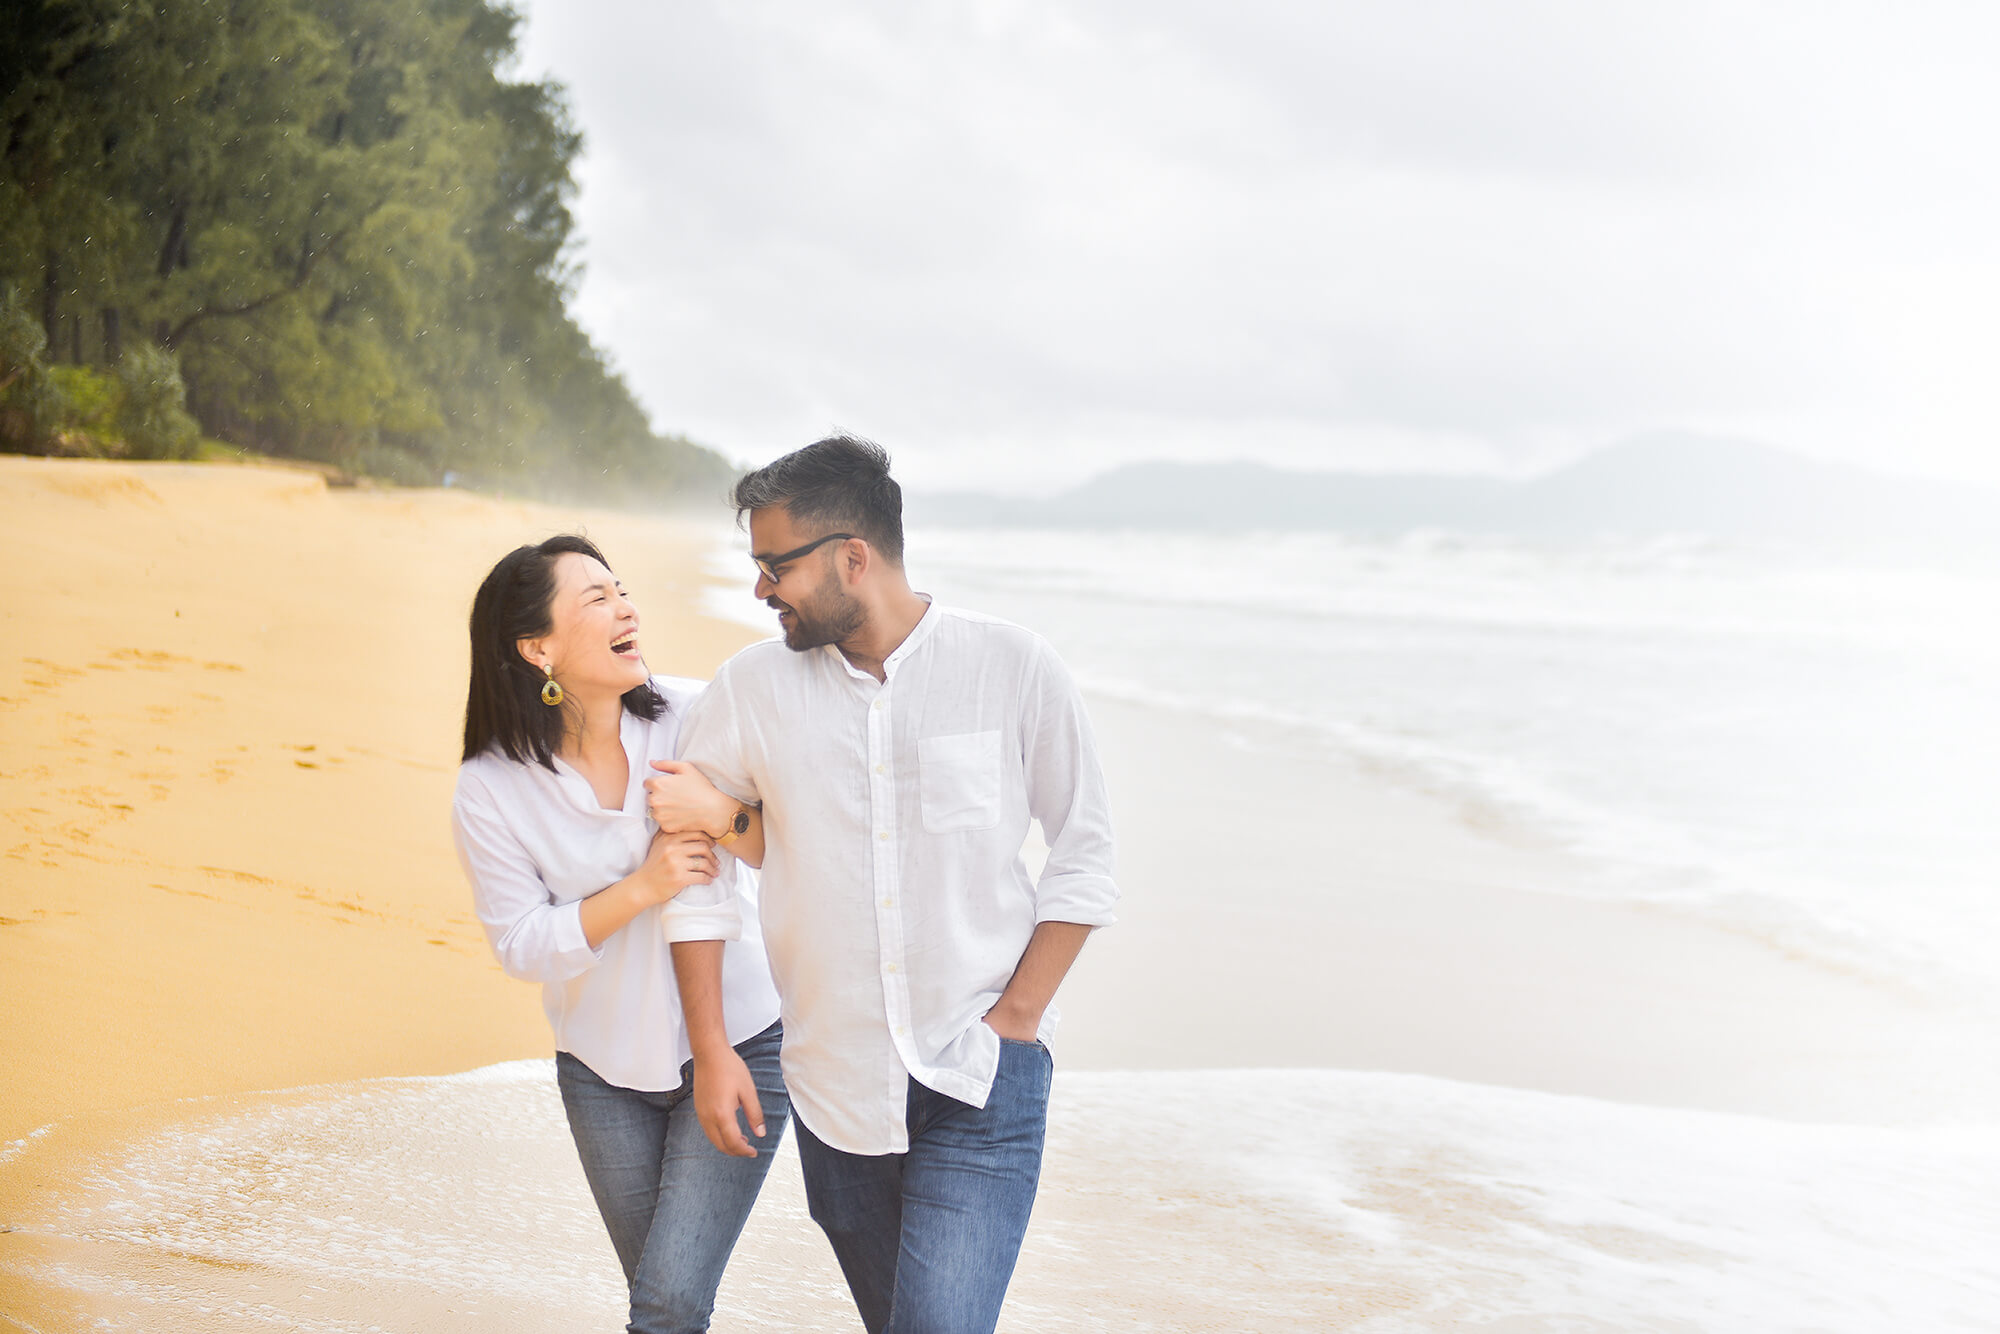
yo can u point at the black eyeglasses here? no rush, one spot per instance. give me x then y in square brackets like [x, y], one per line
[769, 564]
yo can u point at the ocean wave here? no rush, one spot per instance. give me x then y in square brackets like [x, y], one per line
[1662, 586]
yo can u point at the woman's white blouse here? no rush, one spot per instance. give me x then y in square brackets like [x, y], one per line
[535, 844]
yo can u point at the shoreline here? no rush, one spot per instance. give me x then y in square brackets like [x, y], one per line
[1270, 1200]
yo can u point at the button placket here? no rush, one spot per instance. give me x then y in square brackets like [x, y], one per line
[887, 871]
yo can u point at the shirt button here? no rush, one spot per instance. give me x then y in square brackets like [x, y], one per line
[878, 703]
[883, 836]
[901, 1031]
[888, 903]
[888, 967]
[881, 768]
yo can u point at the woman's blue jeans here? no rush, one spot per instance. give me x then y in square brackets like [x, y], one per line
[928, 1239]
[673, 1203]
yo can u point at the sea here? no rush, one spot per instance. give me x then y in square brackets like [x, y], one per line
[1803, 745]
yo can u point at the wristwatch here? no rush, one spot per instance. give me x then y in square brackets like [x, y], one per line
[739, 825]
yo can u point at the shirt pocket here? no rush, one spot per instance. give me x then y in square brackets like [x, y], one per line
[960, 782]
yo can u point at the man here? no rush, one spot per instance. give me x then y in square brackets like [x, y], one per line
[898, 750]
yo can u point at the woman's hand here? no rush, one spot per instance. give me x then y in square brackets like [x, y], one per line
[676, 860]
[679, 797]
[673, 862]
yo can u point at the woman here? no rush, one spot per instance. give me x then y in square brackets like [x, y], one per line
[579, 891]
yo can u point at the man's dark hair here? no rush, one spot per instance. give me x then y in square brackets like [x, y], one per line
[504, 702]
[841, 483]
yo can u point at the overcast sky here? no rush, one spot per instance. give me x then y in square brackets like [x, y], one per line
[1020, 242]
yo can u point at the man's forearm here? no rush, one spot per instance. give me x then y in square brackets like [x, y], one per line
[698, 971]
[723, 1087]
[1044, 964]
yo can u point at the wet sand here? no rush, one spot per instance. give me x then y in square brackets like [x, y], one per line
[1218, 1201]
[1371, 925]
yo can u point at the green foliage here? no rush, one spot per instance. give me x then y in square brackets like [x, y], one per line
[348, 228]
[152, 417]
[32, 402]
[210, 450]
[90, 396]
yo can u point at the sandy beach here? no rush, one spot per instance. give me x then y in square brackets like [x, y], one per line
[261, 1069]
[231, 704]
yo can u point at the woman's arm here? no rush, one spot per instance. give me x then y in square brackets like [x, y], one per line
[534, 938]
[680, 797]
[673, 862]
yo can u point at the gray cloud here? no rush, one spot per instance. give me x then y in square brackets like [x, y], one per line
[1014, 239]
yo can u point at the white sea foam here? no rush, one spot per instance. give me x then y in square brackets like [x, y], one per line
[15, 1148]
[1218, 1200]
[1671, 584]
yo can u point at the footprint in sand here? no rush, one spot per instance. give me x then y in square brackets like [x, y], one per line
[149, 660]
[44, 676]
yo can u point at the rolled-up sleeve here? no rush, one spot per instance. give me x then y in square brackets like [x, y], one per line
[713, 911]
[1067, 796]
[534, 938]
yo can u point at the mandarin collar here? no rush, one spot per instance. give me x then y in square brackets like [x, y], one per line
[921, 631]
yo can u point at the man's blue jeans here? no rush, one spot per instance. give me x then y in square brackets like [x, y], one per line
[928, 1239]
[673, 1203]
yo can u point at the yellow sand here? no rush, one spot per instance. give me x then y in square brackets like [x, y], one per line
[230, 703]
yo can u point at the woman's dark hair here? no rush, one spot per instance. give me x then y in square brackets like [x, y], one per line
[841, 482]
[504, 702]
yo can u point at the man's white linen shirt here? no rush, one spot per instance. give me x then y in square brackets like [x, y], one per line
[534, 844]
[894, 900]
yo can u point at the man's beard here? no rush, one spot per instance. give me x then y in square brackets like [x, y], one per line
[834, 617]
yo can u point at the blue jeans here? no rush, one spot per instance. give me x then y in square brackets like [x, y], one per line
[673, 1203]
[928, 1238]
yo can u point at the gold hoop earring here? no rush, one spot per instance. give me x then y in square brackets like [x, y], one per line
[551, 692]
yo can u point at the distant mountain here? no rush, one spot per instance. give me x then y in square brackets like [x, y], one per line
[1660, 483]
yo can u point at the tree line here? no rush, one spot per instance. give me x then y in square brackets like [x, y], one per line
[326, 229]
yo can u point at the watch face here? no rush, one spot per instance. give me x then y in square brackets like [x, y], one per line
[741, 824]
